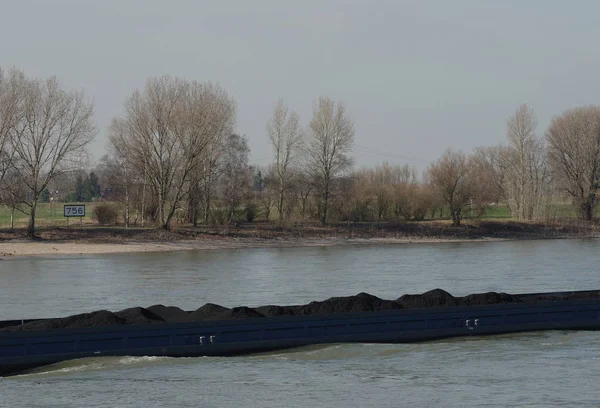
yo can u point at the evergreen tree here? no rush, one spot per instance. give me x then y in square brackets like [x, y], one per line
[45, 196]
[92, 187]
[259, 182]
[79, 190]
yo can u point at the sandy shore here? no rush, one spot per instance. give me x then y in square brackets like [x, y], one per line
[71, 248]
[27, 248]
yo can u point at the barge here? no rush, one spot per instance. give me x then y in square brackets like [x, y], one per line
[22, 350]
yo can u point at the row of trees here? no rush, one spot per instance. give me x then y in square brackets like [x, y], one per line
[528, 174]
[530, 171]
[314, 158]
[174, 156]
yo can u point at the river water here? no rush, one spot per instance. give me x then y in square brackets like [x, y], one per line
[534, 369]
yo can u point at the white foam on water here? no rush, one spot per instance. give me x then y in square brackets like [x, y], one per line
[144, 359]
[65, 367]
[322, 352]
[91, 364]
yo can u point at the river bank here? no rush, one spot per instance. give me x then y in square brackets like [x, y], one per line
[98, 240]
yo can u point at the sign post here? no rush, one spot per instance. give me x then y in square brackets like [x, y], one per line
[74, 210]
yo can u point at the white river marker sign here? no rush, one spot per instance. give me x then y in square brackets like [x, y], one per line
[74, 210]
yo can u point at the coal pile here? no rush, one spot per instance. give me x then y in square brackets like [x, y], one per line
[274, 310]
[209, 311]
[94, 319]
[552, 297]
[489, 298]
[242, 312]
[433, 298]
[441, 298]
[362, 302]
[171, 314]
[101, 318]
[138, 315]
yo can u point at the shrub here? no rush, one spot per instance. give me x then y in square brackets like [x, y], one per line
[106, 214]
[219, 214]
[251, 211]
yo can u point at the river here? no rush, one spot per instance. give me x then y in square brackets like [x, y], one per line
[534, 369]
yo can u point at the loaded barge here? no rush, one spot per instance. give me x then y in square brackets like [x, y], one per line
[22, 349]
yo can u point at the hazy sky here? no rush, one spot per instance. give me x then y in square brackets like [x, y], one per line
[417, 76]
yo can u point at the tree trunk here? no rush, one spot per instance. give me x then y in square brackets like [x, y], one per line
[160, 209]
[31, 226]
[207, 200]
[143, 199]
[207, 211]
[455, 216]
[126, 208]
[586, 210]
[193, 203]
[280, 207]
[280, 197]
[232, 207]
[12, 218]
[455, 221]
[324, 212]
[325, 202]
[194, 216]
[167, 224]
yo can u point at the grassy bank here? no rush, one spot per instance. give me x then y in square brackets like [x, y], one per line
[47, 215]
[51, 215]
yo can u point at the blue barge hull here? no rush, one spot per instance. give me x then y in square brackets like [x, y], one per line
[20, 351]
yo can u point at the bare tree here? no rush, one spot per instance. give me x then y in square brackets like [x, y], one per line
[284, 134]
[194, 196]
[11, 97]
[381, 182]
[404, 189]
[204, 179]
[485, 191]
[521, 134]
[12, 191]
[526, 164]
[328, 146]
[168, 128]
[495, 161]
[267, 194]
[423, 201]
[574, 153]
[356, 200]
[118, 176]
[453, 178]
[303, 188]
[51, 132]
[237, 176]
[212, 169]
